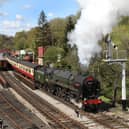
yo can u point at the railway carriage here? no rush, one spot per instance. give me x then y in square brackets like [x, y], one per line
[13, 62]
[24, 67]
[27, 68]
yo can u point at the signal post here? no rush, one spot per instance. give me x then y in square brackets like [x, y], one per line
[122, 62]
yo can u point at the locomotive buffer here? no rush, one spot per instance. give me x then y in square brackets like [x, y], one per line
[122, 62]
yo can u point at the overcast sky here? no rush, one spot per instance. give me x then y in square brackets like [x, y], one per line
[18, 15]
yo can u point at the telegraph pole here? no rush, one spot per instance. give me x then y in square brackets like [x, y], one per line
[122, 62]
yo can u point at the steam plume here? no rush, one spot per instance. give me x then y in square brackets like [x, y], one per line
[96, 20]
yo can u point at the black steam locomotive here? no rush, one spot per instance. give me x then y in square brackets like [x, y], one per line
[63, 83]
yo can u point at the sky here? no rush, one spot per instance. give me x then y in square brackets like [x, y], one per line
[19, 15]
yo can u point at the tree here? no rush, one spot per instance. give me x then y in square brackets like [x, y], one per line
[43, 33]
[42, 19]
[72, 59]
[31, 38]
[68, 29]
[20, 40]
[51, 54]
[58, 27]
[6, 42]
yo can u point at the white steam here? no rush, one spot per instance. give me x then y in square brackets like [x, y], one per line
[97, 19]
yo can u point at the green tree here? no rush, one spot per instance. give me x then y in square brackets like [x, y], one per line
[72, 59]
[6, 42]
[58, 27]
[42, 19]
[31, 38]
[68, 29]
[20, 40]
[43, 34]
[51, 54]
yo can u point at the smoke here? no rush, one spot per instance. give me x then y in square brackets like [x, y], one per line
[97, 19]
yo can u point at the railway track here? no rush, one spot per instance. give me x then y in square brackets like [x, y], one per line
[57, 119]
[108, 121]
[102, 118]
[3, 82]
[10, 110]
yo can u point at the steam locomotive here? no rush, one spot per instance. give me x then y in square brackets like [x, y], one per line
[63, 83]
